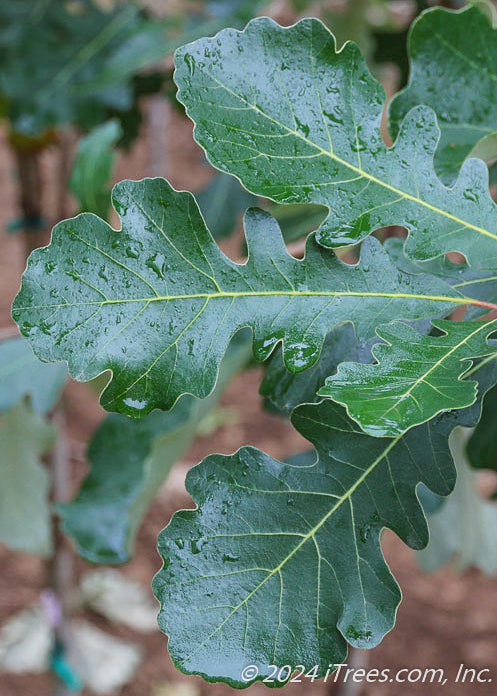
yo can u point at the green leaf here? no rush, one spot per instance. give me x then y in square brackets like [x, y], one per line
[143, 41]
[298, 122]
[486, 149]
[129, 460]
[464, 530]
[221, 203]
[430, 502]
[416, 376]
[93, 167]
[214, 556]
[453, 69]
[82, 65]
[282, 564]
[296, 221]
[24, 483]
[477, 284]
[81, 61]
[130, 117]
[482, 445]
[22, 374]
[286, 390]
[163, 284]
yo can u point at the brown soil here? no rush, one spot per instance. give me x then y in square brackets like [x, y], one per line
[444, 620]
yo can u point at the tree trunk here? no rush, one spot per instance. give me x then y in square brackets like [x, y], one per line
[30, 187]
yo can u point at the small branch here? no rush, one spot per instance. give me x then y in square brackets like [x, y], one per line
[28, 166]
[30, 186]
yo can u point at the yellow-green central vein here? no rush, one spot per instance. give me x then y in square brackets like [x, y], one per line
[272, 293]
[354, 168]
[423, 378]
[305, 538]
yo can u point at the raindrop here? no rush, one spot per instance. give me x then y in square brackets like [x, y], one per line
[135, 404]
[470, 195]
[230, 557]
[190, 61]
[197, 545]
[132, 252]
[304, 128]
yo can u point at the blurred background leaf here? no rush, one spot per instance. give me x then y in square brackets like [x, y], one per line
[25, 517]
[93, 167]
[22, 374]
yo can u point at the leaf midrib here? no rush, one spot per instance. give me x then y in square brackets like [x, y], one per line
[438, 363]
[305, 538]
[270, 293]
[352, 167]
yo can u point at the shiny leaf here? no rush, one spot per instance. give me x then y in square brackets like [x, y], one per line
[93, 295]
[286, 390]
[477, 284]
[129, 461]
[415, 377]
[298, 122]
[278, 551]
[453, 57]
[482, 445]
